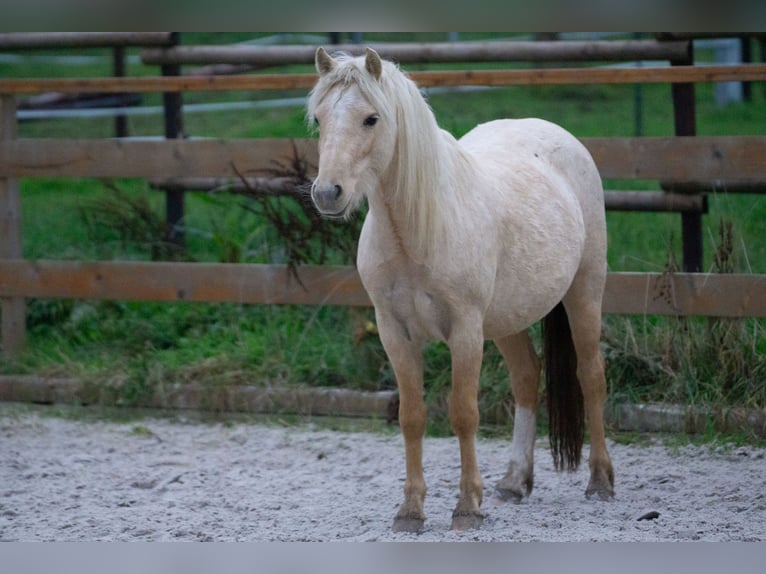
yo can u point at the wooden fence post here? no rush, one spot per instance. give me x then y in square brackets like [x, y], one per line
[685, 119]
[174, 196]
[118, 67]
[13, 308]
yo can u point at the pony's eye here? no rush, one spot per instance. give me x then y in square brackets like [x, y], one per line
[371, 121]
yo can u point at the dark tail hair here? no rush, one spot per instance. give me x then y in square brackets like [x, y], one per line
[566, 412]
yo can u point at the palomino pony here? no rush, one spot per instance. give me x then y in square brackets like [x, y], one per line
[467, 240]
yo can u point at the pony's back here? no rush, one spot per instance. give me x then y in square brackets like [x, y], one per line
[524, 150]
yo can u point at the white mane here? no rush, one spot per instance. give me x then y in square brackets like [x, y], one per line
[426, 161]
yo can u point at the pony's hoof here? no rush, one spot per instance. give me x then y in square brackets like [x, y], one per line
[601, 486]
[513, 489]
[467, 520]
[412, 524]
[603, 492]
[508, 494]
[517, 482]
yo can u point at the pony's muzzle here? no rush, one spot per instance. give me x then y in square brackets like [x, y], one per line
[326, 199]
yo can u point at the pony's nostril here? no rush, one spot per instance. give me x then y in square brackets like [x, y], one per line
[326, 196]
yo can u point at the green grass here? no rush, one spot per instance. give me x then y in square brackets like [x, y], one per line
[132, 347]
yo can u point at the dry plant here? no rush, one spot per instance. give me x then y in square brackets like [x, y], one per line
[282, 198]
[689, 360]
[128, 219]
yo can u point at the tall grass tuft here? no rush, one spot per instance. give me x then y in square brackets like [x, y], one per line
[119, 222]
[689, 360]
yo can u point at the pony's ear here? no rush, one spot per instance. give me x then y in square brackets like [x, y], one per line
[323, 61]
[373, 64]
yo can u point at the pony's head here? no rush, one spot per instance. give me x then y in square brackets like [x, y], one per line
[377, 134]
[357, 129]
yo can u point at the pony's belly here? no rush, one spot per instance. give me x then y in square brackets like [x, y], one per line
[508, 317]
[535, 271]
[520, 300]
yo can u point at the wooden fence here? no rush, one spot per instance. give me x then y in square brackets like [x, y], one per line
[118, 42]
[163, 49]
[674, 49]
[703, 160]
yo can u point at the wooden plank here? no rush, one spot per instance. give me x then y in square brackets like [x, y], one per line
[715, 186]
[565, 76]
[252, 186]
[680, 158]
[152, 159]
[421, 53]
[48, 40]
[13, 328]
[157, 84]
[654, 201]
[288, 186]
[200, 397]
[671, 36]
[551, 76]
[735, 295]
[682, 294]
[694, 158]
[200, 282]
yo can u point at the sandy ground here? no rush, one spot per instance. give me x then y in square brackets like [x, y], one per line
[159, 479]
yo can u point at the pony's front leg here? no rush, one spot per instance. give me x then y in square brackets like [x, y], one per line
[407, 361]
[467, 352]
[412, 420]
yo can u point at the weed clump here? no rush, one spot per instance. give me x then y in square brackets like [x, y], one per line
[689, 360]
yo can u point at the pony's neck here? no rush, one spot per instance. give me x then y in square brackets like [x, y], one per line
[422, 188]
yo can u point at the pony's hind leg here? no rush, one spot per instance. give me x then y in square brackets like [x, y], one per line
[524, 369]
[585, 324]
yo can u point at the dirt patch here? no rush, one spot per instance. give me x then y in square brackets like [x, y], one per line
[158, 479]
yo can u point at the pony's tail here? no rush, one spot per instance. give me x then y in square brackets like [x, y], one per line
[566, 412]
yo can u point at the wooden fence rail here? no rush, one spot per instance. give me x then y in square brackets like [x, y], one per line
[265, 186]
[704, 158]
[432, 52]
[427, 79]
[714, 295]
[53, 40]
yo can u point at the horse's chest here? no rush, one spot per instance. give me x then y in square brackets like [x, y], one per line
[432, 315]
[421, 312]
